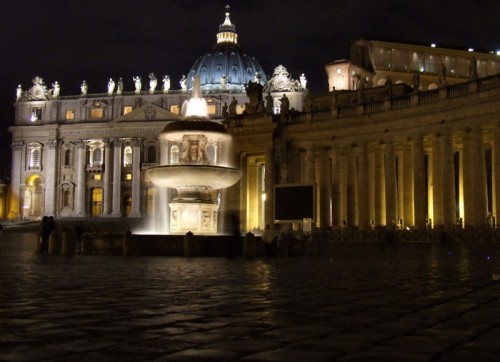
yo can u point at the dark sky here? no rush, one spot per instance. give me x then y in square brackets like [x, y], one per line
[69, 41]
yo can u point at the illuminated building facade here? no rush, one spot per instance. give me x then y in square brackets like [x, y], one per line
[420, 150]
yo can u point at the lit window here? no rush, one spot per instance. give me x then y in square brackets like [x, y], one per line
[211, 109]
[97, 177]
[128, 176]
[127, 156]
[70, 114]
[174, 109]
[97, 113]
[127, 109]
[36, 115]
[97, 157]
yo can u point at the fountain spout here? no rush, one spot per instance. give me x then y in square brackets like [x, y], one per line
[196, 106]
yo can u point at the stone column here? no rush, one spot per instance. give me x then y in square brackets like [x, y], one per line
[390, 185]
[467, 180]
[479, 171]
[117, 177]
[363, 205]
[496, 175]
[81, 165]
[269, 189]
[336, 187]
[16, 195]
[448, 179]
[419, 195]
[136, 178]
[379, 186]
[50, 167]
[351, 187]
[309, 164]
[437, 192]
[324, 188]
[407, 165]
[108, 171]
[241, 214]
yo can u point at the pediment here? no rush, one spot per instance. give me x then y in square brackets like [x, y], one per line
[148, 113]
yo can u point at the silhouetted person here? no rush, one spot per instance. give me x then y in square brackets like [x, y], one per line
[44, 234]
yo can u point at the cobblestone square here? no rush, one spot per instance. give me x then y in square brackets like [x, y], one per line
[369, 302]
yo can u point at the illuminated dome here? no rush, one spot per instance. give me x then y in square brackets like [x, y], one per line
[227, 66]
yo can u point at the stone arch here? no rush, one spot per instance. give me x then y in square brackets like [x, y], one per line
[34, 197]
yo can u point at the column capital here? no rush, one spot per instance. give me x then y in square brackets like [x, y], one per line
[51, 144]
[17, 145]
[117, 142]
[80, 144]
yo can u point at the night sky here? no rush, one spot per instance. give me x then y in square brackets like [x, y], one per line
[69, 41]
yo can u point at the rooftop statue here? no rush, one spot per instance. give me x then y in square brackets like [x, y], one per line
[166, 83]
[183, 84]
[285, 106]
[254, 93]
[39, 90]
[223, 82]
[119, 89]
[269, 103]
[84, 88]
[111, 86]
[138, 84]
[442, 76]
[415, 82]
[56, 89]
[19, 92]
[303, 81]
[232, 107]
[153, 82]
[473, 69]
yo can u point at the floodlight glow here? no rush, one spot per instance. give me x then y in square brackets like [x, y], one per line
[498, 52]
[433, 45]
[471, 49]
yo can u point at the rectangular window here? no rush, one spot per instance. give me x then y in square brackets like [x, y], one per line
[128, 176]
[127, 109]
[211, 109]
[97, 113]
[70, 114]
[97, 177]
[174, 109]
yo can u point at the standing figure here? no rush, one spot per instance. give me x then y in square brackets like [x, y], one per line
[153, 82]
[223, 82]
[56, 90]
[19, 92]
[119, 90]
[303, 81]
[111, 86]
[269, 103]
[473, 69]
[442, 76]
[232, 107]
[138, 84]
[44, 234]
[166, 83]
[285, 105]
[415, 82]
[182, 83]
[84, 88]
[225, 114]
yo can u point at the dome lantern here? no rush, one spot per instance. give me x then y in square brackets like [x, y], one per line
[227, 31]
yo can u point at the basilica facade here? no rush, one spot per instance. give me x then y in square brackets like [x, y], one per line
[405, 136]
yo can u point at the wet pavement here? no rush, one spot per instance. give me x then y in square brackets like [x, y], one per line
[365, 302]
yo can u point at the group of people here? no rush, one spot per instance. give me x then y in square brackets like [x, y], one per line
[47, 226]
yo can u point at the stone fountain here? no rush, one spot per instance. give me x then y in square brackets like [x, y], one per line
[195, 162]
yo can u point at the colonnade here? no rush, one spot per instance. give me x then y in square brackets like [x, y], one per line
[444, 178]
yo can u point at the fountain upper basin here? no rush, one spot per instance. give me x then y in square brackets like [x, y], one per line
[177, 176]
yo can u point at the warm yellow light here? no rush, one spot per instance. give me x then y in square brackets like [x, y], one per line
[128, 176]
[264, 196]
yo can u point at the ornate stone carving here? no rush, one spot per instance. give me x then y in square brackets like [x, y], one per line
[150, 113]
[39, 90]
[282, 82]
[153, 82]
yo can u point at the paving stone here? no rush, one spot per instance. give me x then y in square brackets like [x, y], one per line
[370, 303]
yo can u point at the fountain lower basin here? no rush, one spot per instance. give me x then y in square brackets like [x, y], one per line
[180, 176]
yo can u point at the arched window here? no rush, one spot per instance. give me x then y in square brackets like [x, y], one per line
[127, 156]
[67, 157]
[174, 155]
[151, 154]
[97, 157]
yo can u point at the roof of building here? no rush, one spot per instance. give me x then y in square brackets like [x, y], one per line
[227, 66]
